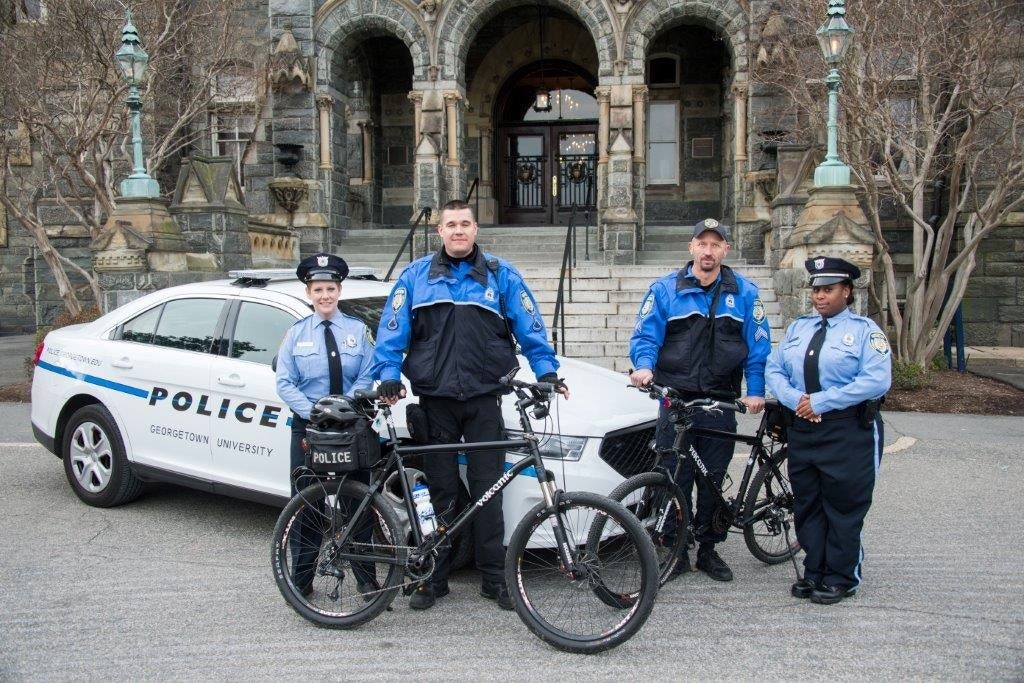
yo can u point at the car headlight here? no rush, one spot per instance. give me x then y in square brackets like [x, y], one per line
[556, 447]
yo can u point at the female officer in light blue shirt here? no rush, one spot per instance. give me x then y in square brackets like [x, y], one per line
[327, 352]
[830, 371]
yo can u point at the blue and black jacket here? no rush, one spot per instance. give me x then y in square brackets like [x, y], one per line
[444, 319]
[693, 351]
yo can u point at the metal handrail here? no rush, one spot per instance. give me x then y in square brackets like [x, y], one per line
[568, 263]
[424, 216]
[472, 189]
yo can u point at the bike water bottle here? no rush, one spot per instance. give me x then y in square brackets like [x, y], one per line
[424, 508]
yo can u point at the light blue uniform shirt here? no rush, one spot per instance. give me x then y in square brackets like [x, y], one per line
[303, 375]
[855, 364]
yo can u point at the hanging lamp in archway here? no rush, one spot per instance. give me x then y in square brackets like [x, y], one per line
[542, 102]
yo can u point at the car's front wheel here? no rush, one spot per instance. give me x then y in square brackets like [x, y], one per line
[94, 459]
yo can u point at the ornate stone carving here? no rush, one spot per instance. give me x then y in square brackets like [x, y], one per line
[120, 248]
[289, 70]
[289, 193]
[428, 10]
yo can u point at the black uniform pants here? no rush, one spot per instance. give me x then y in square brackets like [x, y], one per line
[832, 468]
[306, 542]
[716, 455]
[476, 419]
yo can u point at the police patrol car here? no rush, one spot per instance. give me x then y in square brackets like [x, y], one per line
[177, 386]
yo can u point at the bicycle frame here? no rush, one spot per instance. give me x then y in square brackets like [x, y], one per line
[758, 455]
[423, 547]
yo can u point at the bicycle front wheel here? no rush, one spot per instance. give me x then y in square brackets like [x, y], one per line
[337, 585]
[769, 531]
[608, 594]
[662, 510]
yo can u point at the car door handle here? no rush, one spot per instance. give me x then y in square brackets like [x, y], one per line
[232, 380]
[123, 362]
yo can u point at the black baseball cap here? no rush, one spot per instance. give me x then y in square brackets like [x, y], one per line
[714, 226]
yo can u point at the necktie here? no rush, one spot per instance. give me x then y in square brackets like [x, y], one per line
[812, 383]
[333, 359]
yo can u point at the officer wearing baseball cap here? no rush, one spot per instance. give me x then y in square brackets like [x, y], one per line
[830, 372]
[700, 227]
[327, 352]
[322, 267]
[701, 330]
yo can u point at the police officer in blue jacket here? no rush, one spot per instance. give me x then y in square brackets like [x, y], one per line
[326, 352]
[830, 371]
[699, 331]
[451, 324]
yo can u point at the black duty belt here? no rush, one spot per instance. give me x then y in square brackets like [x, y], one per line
[841, 414]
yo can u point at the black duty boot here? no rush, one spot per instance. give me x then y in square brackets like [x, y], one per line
[682, 567]
[497, 590]
[427, 594]
[711, 564]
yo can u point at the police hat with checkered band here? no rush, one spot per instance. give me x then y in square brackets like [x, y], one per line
[322, 267]
[825, 270]
[714, 226]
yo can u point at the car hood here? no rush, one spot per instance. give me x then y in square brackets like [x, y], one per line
[599, 400]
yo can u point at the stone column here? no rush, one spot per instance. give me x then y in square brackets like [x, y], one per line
[639, 123]
[416, 97]
[324, 105]
[739, 93]
[603, 95]
[488, 202]
[451, 102]
[366, 127]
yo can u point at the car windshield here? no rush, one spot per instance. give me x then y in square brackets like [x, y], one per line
[368, 309]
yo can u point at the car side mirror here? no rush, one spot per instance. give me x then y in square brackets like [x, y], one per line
[273, 363]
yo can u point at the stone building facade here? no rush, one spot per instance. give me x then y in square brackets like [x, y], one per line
[379, 108]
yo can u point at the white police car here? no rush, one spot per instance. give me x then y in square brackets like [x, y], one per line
[177, 386]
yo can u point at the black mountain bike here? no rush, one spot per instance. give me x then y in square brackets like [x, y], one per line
[762, 507]
[579, 591]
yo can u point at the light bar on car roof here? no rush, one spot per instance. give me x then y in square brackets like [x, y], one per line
[261, 276]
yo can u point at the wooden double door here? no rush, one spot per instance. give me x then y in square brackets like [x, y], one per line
[543, 170]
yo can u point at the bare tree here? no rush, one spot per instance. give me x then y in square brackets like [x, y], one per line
[60, 85]
[932, 90]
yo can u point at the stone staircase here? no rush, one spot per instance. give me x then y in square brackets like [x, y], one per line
[599, 320]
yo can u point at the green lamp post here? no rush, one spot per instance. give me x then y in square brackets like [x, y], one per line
[132, 61]
[834, 37]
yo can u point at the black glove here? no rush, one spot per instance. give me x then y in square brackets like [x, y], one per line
[391, 388]
[552, 378]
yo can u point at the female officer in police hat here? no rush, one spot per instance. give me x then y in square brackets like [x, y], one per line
[327, 352]
[830, 371]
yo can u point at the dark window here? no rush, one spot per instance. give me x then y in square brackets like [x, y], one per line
[140, 328]
[188, 324]
[368, 309]
[398, 155]
[258, 332]
[663, 71]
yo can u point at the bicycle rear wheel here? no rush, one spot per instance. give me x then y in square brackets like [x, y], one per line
[662, 511]
[770, 533]
[318, 578]
[606, 601]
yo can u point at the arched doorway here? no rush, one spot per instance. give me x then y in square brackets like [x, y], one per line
[546, 160]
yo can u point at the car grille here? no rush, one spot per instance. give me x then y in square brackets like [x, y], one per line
[628, 451]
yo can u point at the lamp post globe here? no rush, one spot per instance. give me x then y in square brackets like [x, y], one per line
[834, 38]
[132, 60]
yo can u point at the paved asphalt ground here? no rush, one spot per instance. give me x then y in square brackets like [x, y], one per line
[178, 586]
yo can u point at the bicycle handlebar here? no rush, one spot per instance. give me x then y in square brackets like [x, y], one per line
[675, 399]
[546, 388]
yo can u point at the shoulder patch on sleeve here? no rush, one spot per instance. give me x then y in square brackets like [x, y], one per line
[879, 343]
[648, 306]
[759, 313]
[398, 299]
[526, 301]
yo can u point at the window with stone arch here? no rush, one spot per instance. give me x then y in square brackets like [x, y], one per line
[233, 113]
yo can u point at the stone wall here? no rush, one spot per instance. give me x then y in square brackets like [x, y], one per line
[994, 304]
